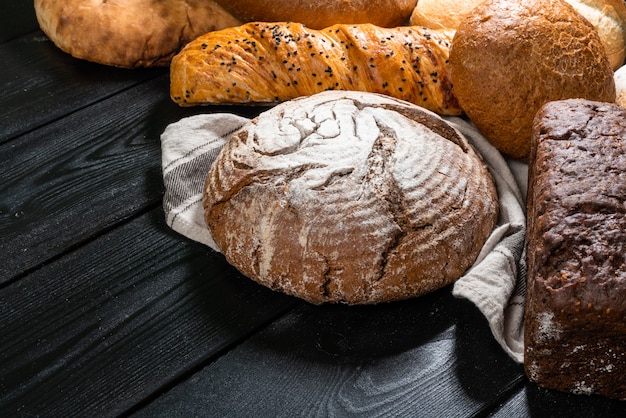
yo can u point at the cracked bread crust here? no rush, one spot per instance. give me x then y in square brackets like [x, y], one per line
[350, 197]
[575, 326]
[509, 57]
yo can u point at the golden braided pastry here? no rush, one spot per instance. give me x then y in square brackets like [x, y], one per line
[267, 63]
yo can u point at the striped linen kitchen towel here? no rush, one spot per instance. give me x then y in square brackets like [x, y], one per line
[495, 284]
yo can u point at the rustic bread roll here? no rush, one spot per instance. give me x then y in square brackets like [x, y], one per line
[318, 14]
[608, 17]
[620, 86]
[575, 318]
[273, 62]
[124, 33]
[441, 14]
[509, 57]
[350, 197]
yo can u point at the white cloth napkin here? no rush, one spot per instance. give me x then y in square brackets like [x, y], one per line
[496, 282]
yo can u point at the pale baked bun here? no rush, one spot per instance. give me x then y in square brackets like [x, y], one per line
[509, 57]
[128, 33]
[350, 197]
[620, 86]
[441, 14]
[318, 14]
[609, 19]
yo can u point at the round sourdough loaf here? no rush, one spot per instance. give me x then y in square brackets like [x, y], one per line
[350, 197]
[509, 57]
[124, 33]
[318, 14]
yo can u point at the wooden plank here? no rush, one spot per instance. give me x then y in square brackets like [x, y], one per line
[17, 19]
[429, 357]
[121, 319]
[40, 84]
[64, 183]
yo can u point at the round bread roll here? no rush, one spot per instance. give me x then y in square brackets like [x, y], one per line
[441, 14]
[609, 19]
[509, 57]
[319, 14]
[620, 86]
[128, 33]
[350, 197]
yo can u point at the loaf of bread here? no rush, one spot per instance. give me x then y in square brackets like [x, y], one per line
[267, 63]
[318, 14]
[608, 17]
[620, 86]
[350, 197]
[441, 14]
[122, 33]
[575, 319]
[509, 57]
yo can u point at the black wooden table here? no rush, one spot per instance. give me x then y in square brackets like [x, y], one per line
[104, 311]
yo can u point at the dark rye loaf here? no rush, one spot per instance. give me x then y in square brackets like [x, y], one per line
[575, 323]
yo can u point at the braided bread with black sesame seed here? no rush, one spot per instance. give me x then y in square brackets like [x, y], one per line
[267, 63]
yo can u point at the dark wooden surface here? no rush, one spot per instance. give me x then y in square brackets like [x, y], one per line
[104, 311]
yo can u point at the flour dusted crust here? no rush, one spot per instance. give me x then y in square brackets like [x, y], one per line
[575, 319]
[350, 197]
[128, 33]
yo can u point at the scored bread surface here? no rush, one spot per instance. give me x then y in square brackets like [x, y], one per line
[350, 197]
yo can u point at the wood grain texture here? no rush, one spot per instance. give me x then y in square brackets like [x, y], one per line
[120, 319]
[40, 84]
[64, 183]
[423, 357]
